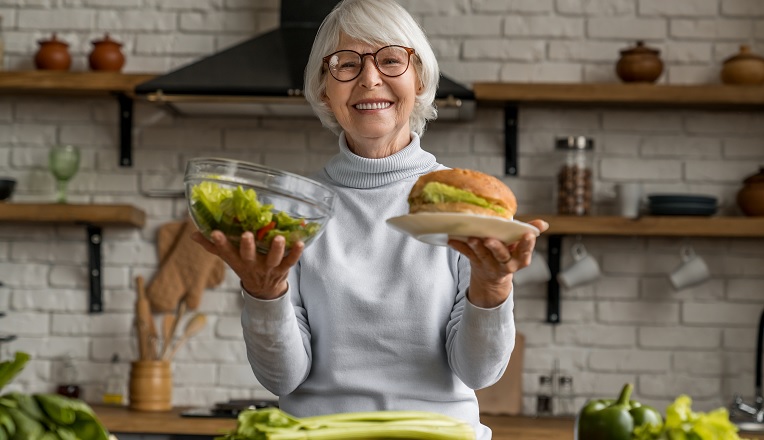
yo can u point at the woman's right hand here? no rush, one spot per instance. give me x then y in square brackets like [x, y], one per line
[263, 276]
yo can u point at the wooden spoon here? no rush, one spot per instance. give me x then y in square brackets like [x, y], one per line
[171, 334]
[168, 320]
[193, 326]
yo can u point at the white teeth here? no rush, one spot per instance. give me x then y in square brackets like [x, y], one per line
[373, 105]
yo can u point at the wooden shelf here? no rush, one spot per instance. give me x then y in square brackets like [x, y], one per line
[631, 95]
[647, 226]
[80, 83]
[102, 215]
[668, 226]
[93, 217]
[53, 83]
[705, 95]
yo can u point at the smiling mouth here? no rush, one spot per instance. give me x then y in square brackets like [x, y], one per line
[373, 105]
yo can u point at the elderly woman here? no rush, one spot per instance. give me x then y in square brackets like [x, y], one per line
[368, 318]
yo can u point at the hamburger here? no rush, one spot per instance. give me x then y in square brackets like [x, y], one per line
[464, 191]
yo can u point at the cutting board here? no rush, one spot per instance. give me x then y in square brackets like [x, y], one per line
[505, 397]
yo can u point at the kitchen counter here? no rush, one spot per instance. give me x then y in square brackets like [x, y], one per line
[124, 421]
[121, 420]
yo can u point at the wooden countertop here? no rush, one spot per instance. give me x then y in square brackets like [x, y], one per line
[120, 420]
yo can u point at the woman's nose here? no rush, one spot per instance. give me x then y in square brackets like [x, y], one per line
[369, 76]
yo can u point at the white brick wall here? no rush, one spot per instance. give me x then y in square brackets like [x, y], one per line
[628, 326]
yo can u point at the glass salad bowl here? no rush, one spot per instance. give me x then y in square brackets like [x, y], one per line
[235, 197]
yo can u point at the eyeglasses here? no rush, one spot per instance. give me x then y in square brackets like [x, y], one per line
[346, 65]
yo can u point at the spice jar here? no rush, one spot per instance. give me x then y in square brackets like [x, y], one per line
[67, 385]
[544, 398]
[574, 179]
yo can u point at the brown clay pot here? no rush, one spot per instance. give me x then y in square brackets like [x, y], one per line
[750, 198]
[639, 64]
[53, 54]
[106, 55]
[745, 67]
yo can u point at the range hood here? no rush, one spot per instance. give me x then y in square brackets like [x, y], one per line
[236, 81]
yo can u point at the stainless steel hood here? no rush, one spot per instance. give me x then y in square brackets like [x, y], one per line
[236, 81]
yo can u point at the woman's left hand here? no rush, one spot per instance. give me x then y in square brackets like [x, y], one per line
[493, 264]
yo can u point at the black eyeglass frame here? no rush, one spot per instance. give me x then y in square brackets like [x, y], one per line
[373, 56]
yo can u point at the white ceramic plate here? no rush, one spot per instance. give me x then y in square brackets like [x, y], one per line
[437, 227]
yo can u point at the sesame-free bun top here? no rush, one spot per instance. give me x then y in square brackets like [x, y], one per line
[482, 185]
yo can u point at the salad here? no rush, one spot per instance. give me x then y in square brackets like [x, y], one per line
[234, 211]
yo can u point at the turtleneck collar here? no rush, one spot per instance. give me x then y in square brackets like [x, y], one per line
[353, 171]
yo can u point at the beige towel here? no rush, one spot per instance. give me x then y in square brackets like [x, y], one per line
[185, 269]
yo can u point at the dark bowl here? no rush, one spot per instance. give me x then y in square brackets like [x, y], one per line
[6, 188]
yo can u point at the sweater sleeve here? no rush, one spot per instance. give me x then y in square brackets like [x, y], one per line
[479, 341]
[277, 337]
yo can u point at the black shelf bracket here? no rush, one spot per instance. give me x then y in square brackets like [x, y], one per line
[554, 247]
[125, 130]
[94, 268]
[510, 139]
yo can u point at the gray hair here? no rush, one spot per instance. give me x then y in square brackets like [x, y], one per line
[382, 22]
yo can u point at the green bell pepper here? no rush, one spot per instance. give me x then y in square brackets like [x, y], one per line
[615, 419]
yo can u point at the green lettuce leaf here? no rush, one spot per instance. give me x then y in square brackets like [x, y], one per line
[436, 192]
[682, 423]
[9, 369]
[235, 211]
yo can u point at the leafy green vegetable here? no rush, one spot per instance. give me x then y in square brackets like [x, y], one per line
[684, 424]
[274, 424]
[58, 408]
[235, 211]
[7, 425]
[44, 416]
[9, 369]
[26, 426]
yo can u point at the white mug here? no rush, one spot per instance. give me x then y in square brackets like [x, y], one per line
[628, 199]
[691, 271]
[535, 273]
[584, 269]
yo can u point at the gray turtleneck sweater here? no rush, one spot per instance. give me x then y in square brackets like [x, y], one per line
[374, 319]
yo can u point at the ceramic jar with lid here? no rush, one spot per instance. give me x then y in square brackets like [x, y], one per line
[639, 64]
[745, 67]
[574, 178]
[53, 54]
[106, 55]
[750, 198]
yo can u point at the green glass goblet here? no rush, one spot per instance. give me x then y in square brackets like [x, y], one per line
[63, 163]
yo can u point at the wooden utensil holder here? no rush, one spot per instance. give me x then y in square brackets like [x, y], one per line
[151, 386]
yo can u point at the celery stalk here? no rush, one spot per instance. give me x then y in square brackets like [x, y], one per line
[274, 424]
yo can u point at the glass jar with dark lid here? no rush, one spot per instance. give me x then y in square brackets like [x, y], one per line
[574, 178]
